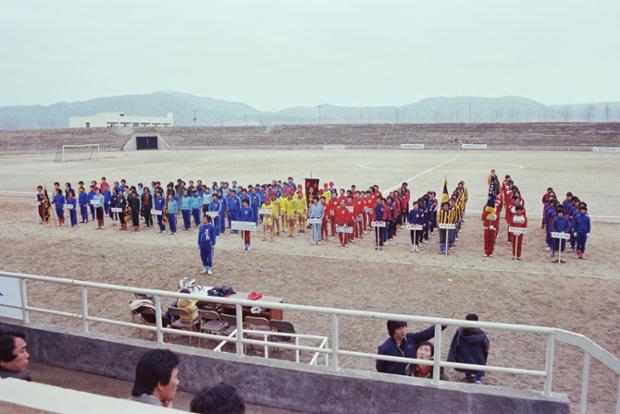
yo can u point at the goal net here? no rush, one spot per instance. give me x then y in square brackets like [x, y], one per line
[77, 152]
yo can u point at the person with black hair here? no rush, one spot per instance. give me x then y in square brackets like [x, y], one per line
[470, 346]
[14, 356]
[401, 344]
[156, 378]
[219, 399]
[425, 351]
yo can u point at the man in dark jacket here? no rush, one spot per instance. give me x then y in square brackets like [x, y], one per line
[401, 344]
[470, 346]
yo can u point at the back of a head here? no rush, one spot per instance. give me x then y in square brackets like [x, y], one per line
[471, 317]
[219, 399]
[155, 367]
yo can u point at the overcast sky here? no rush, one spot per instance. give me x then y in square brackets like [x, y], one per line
[274, 54]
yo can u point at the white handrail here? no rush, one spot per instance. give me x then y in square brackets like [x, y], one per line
[590, 348]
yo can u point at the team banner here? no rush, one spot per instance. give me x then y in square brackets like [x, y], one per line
[312, 189]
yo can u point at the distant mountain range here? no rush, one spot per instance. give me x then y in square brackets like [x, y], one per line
[209, 111]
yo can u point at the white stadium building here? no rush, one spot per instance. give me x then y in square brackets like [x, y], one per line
[116, 119]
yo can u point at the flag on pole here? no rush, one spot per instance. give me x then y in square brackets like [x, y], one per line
[445, 196]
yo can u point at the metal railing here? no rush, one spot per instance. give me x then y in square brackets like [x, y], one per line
[332, 354]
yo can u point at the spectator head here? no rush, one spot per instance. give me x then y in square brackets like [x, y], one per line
[220, 399]
[13, 354]
[426, 350]
[157, 375]
[397, 329]
[471, 317]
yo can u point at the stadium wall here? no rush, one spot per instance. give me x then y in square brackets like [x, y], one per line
[544, 136]
[266, 382]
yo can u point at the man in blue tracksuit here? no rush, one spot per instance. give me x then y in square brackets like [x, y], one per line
[401, 344]
[173, 209]
[186, 210]
[216, 205]
[196, 205]
[416, 216]
[206, 241]
[107, 196]
[581, 229]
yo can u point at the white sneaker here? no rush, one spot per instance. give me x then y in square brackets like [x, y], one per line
[209, 272]
[417, 249]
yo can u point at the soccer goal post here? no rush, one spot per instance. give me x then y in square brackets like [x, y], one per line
[75, 152]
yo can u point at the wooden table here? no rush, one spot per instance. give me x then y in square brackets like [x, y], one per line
[231, 309]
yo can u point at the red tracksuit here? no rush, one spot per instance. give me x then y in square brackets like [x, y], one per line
[489, 232]
[518, 220]
[358, 212]
[342, 219]
[332, 206]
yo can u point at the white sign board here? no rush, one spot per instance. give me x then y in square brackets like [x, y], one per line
[378, 224]
[243, 225]
[264, 212]
[474, 146]
[68, 206]
[605, 149]
[36, 203]
[118, 210]
[415, 227]
[333, 147]
[447, 226]
[368, 210]
[560, 235]
[156, 212]
[213, 214]
[95, 203]
[344, 229]
[517, 230]
[315, 221]
[10, 294]
[412, 146]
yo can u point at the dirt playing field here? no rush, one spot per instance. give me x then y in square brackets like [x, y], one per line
[581, 296]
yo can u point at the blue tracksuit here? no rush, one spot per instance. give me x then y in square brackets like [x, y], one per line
[255, 205]
[186, 211]
[173, 209]
[581, 227]
[59, 202]
[233, 204]
[469, 346]
[196, 205]
[91, 194]
[560, 224]
[107, 196]
[246, 214]
[417, 217]
[159, 205]
[216, 206]
[223, 214]
[380, 233]
[83, 201]
[73, 211]
[206, 241]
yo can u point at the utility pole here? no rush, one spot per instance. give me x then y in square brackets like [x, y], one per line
[470, 112]
[319, 114]
[195, 111]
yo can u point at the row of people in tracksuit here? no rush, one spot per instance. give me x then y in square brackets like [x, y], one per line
[505, 197]
[423, 212]
[569, 216]
[452, 211]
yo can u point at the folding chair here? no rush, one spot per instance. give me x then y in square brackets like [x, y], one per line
[211, 323]
[179, 323]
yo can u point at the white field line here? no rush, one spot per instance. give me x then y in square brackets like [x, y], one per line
[425, 172]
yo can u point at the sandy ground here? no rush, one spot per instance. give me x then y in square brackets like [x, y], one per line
[580, 296]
